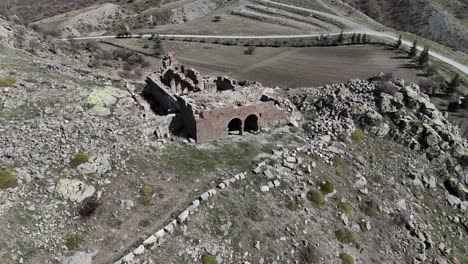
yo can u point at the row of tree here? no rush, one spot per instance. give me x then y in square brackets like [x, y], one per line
[423, 63]
[354, 39]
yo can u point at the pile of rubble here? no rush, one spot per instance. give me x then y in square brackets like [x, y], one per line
[396, 110]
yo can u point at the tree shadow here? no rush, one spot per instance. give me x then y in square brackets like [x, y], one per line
[407, 66]
[402, 57]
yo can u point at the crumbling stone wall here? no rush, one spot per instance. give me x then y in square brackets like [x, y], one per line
[213, 124]
[159, 94]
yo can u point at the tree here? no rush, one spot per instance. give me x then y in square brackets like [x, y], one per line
[157, 46]
[424, 57]
[398, 43]
[454, 83]
[414, 50]
[364, 38]
[358, 38]
[353, 38]
[340, 37]
[216, 19]
[250, 50]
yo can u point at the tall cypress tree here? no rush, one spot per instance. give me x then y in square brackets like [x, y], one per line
[414, 50]
[353, 38]
[424, 57]
[454, 83]
[340, 37]
[398, 43]
[364, 38]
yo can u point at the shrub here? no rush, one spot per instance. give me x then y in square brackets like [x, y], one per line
[148, 200]
[31, 80]
[316, 197]
[345, 236]
[346, 208]
[7, 179]
[216, 19]
[5, 82]
[337, 160]
[78, 159]
[250, 50]
[357, 135]
[346, 258]
[292, 205]
[147, 190]
[74, 241]
[255, 213]
[327, 187]
[379, 179]
[370, 209]
[88, 207]
[309, 254]
[209, 259]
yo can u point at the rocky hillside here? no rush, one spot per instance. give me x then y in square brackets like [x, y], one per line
[444, 24]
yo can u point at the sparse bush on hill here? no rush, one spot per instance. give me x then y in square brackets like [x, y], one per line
[357, 135]
[5, 82]
[78, 159]
[346, 258]
[346, 208]
[209, 259]
[345, 236]
[309, 254]
[337, 161]
[74, 241]
[327, 187]
[316, 197]
[7, 179]
[88, 207]
[370, 209]
[216, 19]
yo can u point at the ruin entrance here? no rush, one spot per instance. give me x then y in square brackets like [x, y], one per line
[251, 123]
[235, 127]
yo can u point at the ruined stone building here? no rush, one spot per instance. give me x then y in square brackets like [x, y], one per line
[209, 108]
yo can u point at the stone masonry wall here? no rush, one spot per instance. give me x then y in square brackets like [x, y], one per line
[214, 123]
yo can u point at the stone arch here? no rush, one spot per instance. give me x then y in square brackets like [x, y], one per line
[235, 126]
[251, 123]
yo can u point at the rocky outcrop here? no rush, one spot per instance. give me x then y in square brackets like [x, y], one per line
[404, 114]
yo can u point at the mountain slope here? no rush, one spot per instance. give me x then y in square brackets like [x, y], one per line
[425, 18]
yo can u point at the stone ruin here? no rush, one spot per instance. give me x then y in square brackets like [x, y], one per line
[207, 108]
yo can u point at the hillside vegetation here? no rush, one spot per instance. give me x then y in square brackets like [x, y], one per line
[443, 21]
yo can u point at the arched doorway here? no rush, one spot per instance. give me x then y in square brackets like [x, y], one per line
[251, 123]
[235, 127]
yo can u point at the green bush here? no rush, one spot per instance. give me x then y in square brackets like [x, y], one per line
[316, 197]
[78, 159]
[357, 135]
[31, 80]
[8, 81]
[7, 179]
[346, 208]
[345, 236]
[309, 255]
[255, 213]
[147, 190]
[379, 179]
[292, 205]
[209, 259]
[337, 160]
[148, 200]
[346, 258]
[327, 187]
[74, 241]
[370, 209]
